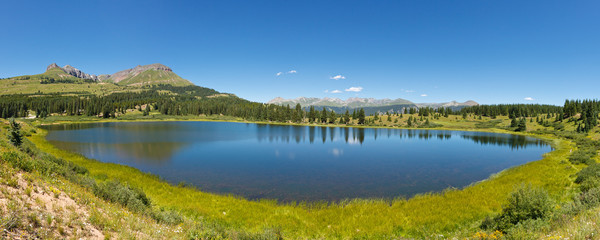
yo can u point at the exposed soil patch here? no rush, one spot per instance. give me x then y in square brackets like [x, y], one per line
[31, 210]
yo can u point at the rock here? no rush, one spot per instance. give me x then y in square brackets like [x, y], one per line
[119, 76]
[51, 66]
[78, 73]
[103, 77]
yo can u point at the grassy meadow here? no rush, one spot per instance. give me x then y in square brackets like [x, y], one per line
[32, 87]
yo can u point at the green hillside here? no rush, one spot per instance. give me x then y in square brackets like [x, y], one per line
[53, 75]
[153, 77]
[56, 81]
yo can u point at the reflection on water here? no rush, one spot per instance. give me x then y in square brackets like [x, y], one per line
[298, 162]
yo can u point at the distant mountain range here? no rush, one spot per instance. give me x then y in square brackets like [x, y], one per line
[138, 76]
[154, 74]
[371, 105]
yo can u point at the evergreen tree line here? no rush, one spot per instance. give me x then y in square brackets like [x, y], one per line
[50, 80]
[512, 110]
[194, 100]
[588, 110]
[189, 101]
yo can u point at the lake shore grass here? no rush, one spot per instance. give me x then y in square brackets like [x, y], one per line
[453, 211]
[451, 123]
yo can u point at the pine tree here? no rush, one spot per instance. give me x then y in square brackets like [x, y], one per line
[15, 137]
[298, 114]
[346, 117]
[522, 126]
[361, 116]
[514, 123]
[332, 117]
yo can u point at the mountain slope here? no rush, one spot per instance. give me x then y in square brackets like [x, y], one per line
[449, 104]
[71, 71]
[147, 75]
[370, 105]
[53, 74]
[68, 80]
[336, 102]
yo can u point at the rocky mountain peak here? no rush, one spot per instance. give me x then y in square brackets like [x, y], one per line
[277, 99]
[51, 66]
[78, 73]
[73, 71]
[154, 66]
[356, 102]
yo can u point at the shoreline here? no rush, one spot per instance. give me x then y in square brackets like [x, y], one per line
[487, 189]
[549, 139]
[483, 130]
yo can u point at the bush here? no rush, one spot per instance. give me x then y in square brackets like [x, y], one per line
[591, 198]
[132, 198]
[528, 229]
[18, 160]
[588, 184]
[525, 203]
[583, 156]
[168, 217]
[588, 173]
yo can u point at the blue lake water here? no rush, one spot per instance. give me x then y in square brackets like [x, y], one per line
[299, 163]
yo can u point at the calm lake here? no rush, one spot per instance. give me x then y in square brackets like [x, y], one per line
[296, 163]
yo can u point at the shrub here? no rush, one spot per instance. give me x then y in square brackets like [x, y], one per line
[18, 160]
[525, 203]
[583, 156]
[588, 184]
[132, 198]
[527, 229]
[588, 173]
[591, 198]
[168, 217]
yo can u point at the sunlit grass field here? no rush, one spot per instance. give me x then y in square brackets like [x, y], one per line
[32, 87]
[454, 211]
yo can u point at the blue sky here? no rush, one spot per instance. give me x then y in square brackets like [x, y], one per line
[423, 51]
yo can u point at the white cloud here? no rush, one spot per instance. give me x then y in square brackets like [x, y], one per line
[326, 91]
[337, 152]
[423, 95]
[279, 73]
[409, 91]
[354, 89]
[292, 71]
[528, 99]
[336, 91]
[337, 77]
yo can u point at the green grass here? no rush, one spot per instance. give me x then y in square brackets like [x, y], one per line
[32, 87]
[30, 84]
[451, 212]
[150, 77]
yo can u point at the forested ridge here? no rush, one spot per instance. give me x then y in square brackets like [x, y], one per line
[195, 100]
